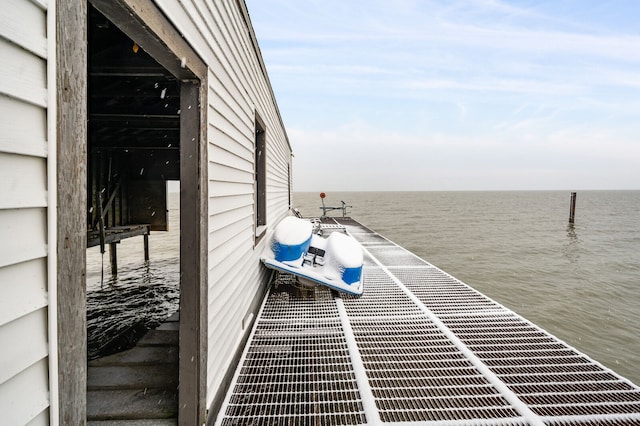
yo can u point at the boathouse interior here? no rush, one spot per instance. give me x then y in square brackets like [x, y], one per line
[133, 136]
[133, 150]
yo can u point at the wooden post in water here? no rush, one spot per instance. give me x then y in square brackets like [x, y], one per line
[572, 208]
[113, 254]
[146, 247]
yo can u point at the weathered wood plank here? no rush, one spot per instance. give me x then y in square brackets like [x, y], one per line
[169, 326]
[71, 152]
[116, 234]
[193, 246]
[140, 355]
[163, 376]
[153, 422]
[141, 404]
[143, 21]
[159, 338]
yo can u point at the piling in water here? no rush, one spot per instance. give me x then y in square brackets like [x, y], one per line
[572, 208]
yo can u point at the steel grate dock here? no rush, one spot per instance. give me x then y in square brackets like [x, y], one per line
[419, 347]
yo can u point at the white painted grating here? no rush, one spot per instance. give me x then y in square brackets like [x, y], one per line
[553, 379]
[396, 256]
[296, 368]
[443, 294]
[418, 348]
[382, 298]
[316, 305]
[417, 374]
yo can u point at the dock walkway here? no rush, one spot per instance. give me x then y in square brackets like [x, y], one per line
[419, 347]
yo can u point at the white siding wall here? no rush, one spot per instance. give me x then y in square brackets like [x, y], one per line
[24, 389]
[237, 90]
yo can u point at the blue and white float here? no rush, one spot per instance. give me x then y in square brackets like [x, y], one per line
[335, 261]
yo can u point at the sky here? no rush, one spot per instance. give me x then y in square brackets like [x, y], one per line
[420, 95]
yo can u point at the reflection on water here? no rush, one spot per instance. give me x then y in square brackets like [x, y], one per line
[572, 246]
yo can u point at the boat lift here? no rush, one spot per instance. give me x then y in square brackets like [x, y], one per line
[325, 209]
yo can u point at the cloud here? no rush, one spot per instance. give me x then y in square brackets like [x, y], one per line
[455, 94]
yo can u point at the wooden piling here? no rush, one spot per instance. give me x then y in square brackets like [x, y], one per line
[572, 208]
[146, 247]
[113, 254]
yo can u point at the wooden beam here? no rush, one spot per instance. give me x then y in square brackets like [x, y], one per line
[144, 22]
[71, 141]
[193, 289]
[117, 234]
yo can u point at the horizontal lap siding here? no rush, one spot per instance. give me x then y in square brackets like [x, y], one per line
[237, 90]
[24, 338]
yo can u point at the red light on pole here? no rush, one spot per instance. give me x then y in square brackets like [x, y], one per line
[323, 195]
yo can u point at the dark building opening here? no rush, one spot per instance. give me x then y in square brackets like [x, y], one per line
[133, 135]
[133, 150]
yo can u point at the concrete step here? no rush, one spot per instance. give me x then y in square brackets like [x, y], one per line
[133, 377]
[159, 337]
[132, 404]
[153, 422]
[140, 355]
[169, 326]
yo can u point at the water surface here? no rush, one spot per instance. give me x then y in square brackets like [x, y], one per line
[579, 282]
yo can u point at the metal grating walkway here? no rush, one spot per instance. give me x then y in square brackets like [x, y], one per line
[419, 347]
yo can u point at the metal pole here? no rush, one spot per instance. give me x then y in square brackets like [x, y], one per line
[572, 208]
[324, 209]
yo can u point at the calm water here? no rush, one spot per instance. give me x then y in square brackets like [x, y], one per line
[580, 283]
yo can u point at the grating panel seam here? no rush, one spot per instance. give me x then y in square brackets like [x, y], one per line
[368, 400]
[522, 376]
[511, 397]
[526, 337]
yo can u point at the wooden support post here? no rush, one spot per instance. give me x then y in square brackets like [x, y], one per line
[113, 254]
[572, 208]
[146, 247]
